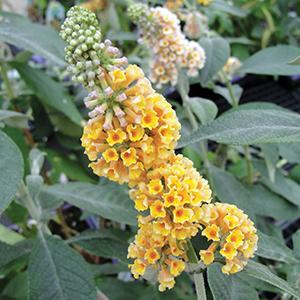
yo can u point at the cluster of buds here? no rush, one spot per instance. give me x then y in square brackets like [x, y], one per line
[86, 55]
[172, 194]
[160, 31]
[130, 138]
[231, 232]
[196, 25]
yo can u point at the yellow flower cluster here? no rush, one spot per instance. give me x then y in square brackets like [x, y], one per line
[232, 232]
[172, 193]
[131, 127]
[170, 47]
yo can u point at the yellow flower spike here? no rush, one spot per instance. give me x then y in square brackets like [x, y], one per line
[171, 198]
[207, 256]
[116, 136]
[165, 279]
[135, 132]
[182, 215]
[231, 221]
[149, 120]
[151, 256]
[138, 268]
[235, 238]
[212, 232]
[228, 251]
[110, 155]
[177, 266]
[155, 186]
[157, 210]
[129, 156]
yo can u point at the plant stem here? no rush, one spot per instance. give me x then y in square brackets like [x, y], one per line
[8, 87]
[234, 100]
[200, 286]
[249, 165]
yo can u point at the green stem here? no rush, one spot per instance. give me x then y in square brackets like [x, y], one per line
[9, 89]
[200, 286]
[249, 165]
[29, 203]
[228, 84]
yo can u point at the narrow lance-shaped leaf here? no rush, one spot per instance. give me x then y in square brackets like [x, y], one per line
[11, 170]
[39, 39]
[110, 201]
[249, 126]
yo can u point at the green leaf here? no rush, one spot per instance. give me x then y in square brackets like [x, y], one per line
[17, 287]
[272, 61]
[109, 200]
[109, 269]
[230, 190]
[228, 287]
[9, 236]
[249, 126]
[49, 91]
[271, 156]
[204, 109]
[104, 245]
[272, 205]
[270, 247]
[220, 5]
[39, 39]
[11, 170]
[291, 152]
[56, 271]
[217, 51]
[223, 91]
[14, 119]
[296, 243]
[11, 252]
[282, 185]
[261, 272]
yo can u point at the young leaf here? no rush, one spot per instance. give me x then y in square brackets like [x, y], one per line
[262, 272]
[204, 109]
[220, 5]
[249, 126]
[11, 170]
[217, 51]
[56, 271]
[14, 119]
[49, 91]
[39, 39]
[228, 287]
[109, 201]
[272, 61]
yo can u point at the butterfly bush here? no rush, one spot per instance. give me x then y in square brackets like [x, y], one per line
[130, 138]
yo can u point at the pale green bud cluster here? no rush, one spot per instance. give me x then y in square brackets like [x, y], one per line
[139, 13]
[86, 55]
